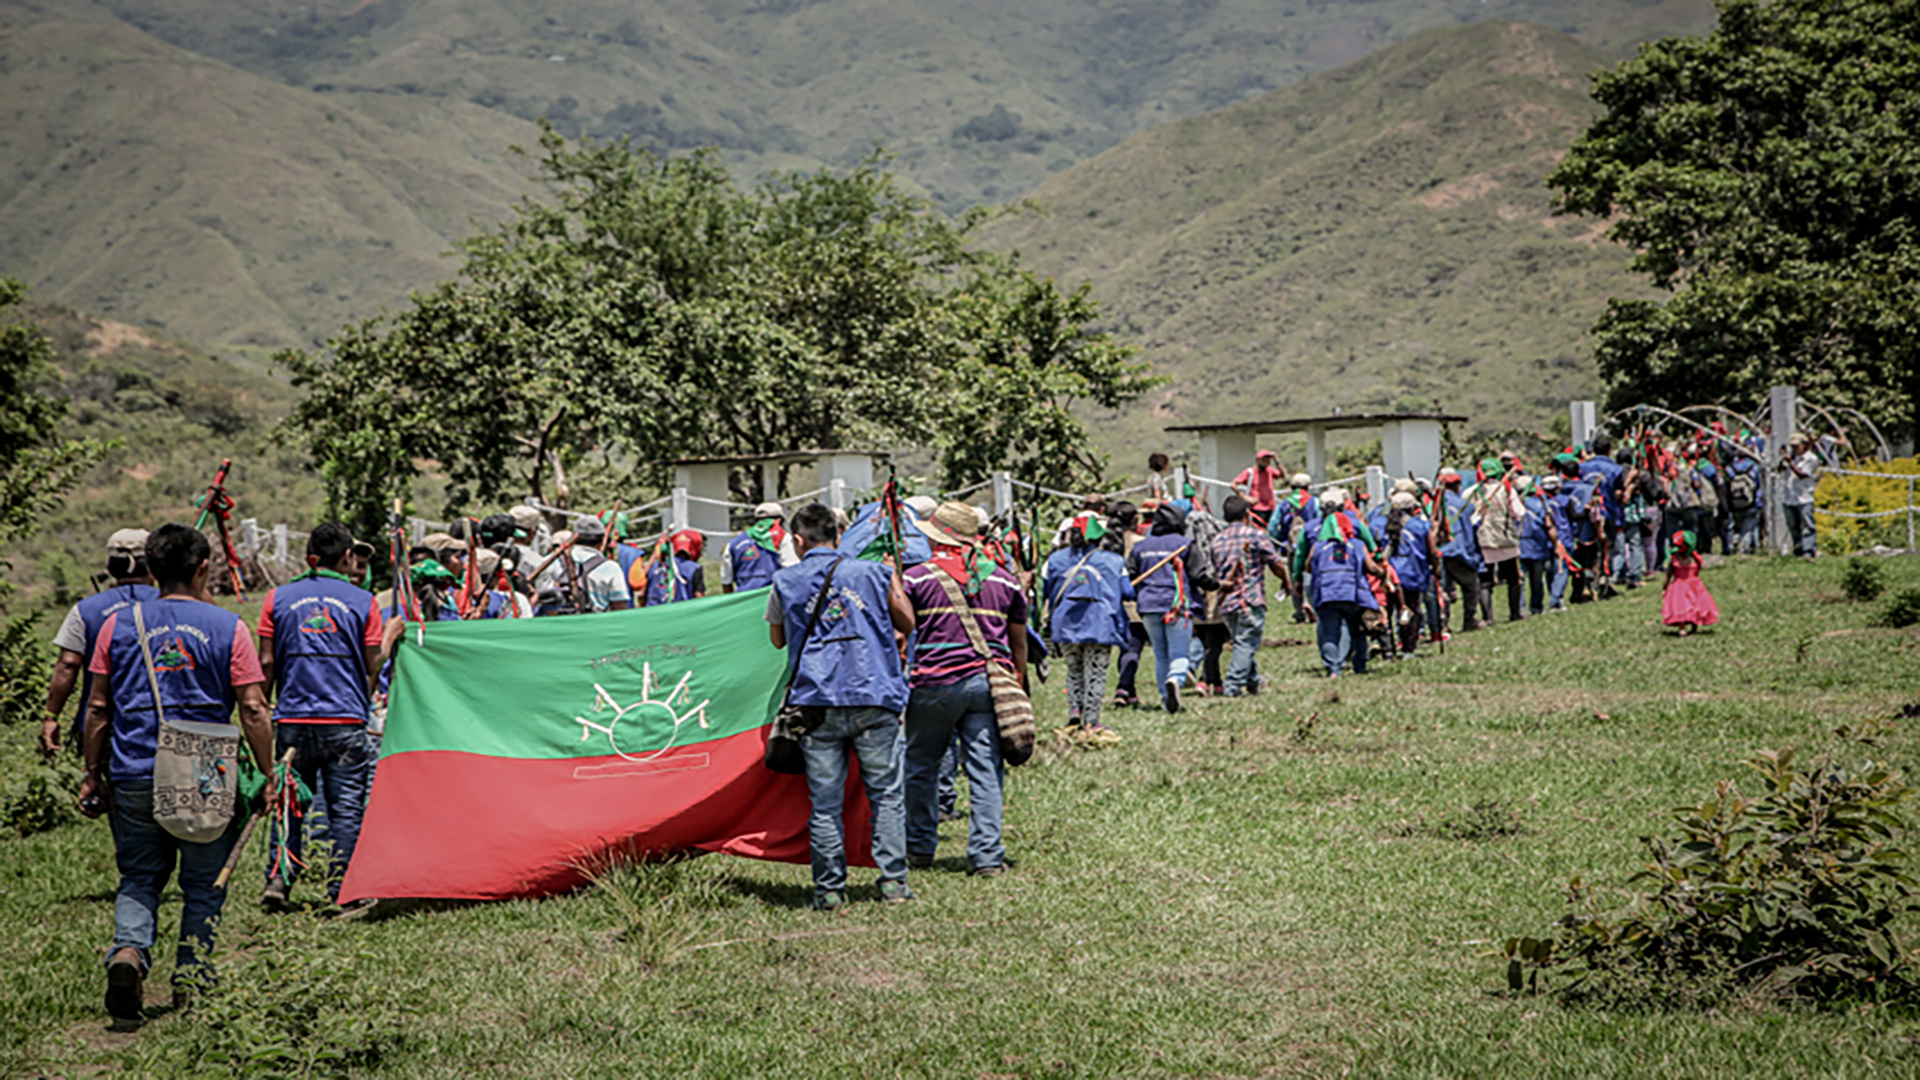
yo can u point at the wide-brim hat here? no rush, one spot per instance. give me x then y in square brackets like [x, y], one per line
[952, 523]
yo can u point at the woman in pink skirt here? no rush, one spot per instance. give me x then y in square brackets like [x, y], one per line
[1686, 605]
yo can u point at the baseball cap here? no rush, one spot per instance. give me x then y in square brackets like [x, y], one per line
[127, 544]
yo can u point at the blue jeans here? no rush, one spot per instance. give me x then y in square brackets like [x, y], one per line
[873, 734]
[1171, 644]
[1557, 582]
[1800, 528]
[934, 715]
[1634, 544]
[145, 854]
[1247, 626]
[1340, 632]
[336, 761]
[1746, 530]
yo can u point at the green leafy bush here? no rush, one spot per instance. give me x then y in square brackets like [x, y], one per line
[35, 795]
[1901, 610]
[1795, 890]
[1863, 580]
[293, 1007]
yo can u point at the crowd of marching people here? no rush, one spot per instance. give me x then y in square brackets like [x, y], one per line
[909, 630]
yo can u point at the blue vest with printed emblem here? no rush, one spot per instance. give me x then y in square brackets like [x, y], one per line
[192, 645]
[851, 659]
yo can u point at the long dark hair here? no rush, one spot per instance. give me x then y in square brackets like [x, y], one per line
[1396, 524]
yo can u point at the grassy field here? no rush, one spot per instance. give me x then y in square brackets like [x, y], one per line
[1294, 885]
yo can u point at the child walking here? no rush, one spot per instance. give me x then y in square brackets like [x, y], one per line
[1686, 604]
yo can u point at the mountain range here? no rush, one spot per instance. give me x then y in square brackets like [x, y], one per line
[250, 174]
[1374, 238]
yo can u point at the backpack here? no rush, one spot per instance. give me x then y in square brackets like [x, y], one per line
[1709, 495]
[568, 593]
[1741, 489]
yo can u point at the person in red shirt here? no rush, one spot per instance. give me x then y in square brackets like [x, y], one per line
[1258, 484]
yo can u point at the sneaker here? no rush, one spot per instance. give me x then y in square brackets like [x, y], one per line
[1170, 697]
[916, 861]
[274, 897]
[989, 871]
[359, 909]
[895, 892]
[831, 900]
[124, 978]
[1123, 701]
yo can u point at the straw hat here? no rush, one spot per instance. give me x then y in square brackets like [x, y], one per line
[951, 523]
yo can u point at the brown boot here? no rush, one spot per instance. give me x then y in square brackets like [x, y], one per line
[124, 977]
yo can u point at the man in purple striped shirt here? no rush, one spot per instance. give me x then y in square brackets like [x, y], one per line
[949, 681]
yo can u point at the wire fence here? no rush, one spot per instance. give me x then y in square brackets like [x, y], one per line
[1860, 535]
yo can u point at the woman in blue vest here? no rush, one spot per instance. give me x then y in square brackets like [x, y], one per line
[1086, 587]
[674, 575]
[1340, 565]
[1407, 541]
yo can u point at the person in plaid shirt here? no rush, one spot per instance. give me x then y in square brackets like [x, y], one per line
[1241, 556]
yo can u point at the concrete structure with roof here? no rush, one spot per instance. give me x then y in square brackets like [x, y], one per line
[841, 473]
[1409, 442]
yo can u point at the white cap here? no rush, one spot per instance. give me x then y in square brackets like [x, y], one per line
[1334, 497]
[127, 544]
[769, 510]
[923, 505]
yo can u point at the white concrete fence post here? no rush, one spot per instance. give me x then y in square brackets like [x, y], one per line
[1781, 402]
[837, 493]
[1376, 486]
[1002, 493]
[680, 518]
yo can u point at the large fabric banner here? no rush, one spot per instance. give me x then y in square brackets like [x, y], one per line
[522, 755]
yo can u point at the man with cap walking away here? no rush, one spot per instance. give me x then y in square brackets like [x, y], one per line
[321, 636]
[674, 574]
[1410, 550]
[127, 566]
[1242, 556]
[1460, 553]
[188, 661]
[968, 612]
[584, 580]
[1340, 568]
[752, 557]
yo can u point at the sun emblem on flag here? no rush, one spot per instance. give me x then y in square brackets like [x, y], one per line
[675, 708]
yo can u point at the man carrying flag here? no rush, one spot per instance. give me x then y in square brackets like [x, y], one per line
[837, 617]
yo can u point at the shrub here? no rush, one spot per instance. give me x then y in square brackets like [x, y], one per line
[1863, 580]
[1901, 610]
[1864, 495]
[1795, 890]
[293, 1006]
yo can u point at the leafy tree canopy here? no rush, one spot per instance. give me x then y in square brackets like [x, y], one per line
[1768, 176]
[650, 308]
[37, 466]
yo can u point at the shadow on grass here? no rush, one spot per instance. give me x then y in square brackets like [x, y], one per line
[777, 894]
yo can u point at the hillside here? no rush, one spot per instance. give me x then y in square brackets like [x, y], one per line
[1376, 237]
[165, 189]
[178, 411]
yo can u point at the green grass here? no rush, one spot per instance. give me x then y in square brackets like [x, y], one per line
[1223, 894]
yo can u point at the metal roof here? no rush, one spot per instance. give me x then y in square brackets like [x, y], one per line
[1336, 422]
[783, 457]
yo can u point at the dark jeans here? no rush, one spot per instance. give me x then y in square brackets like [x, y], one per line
[145, 854]
[1130, 660]
[934, 715]
[336, 761]
[1800, 528]
[1587, 557]
[1538, 573]
[1506, 573]
[1214, 637]
[1341, 634]
[1460, 572]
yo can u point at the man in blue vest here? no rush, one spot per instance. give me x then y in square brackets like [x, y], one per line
[1608, 478]
[322, 636]
[203, 665]
[752, 557]
[842, 638]
[127, 565]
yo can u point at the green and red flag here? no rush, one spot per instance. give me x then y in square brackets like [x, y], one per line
[522, 754]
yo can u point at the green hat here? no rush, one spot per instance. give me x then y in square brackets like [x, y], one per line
[430, 570]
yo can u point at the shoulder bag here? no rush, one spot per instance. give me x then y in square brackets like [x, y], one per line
[783, 753]
[1012, 709]
[195, 765]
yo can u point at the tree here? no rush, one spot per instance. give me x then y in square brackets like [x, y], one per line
[36, 469]
[649, 308]
[1768, 177]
